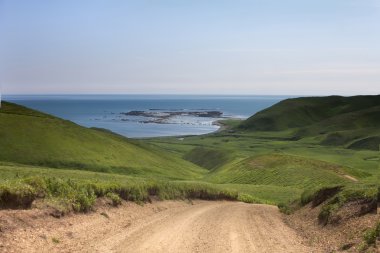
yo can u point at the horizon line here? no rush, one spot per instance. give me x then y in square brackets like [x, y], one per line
[173, 94]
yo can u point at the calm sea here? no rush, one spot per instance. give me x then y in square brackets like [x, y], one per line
[107, 111]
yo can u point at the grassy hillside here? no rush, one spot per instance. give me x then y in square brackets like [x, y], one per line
[20, 183]
[371, 143]
[208, 158]
[262, 166]
[334, 120]
[280, 170]
[31, 137]
[301, 112]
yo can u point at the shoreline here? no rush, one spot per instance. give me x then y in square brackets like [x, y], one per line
[220, 123]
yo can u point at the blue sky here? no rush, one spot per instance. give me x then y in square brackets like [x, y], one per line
[300, 47]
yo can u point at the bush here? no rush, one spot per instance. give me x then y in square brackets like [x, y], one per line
[116, 200]
[83, 200]
[289, 208]
[371, 235]
[284, 208]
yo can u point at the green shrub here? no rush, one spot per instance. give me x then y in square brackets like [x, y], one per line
[285, 208]
[116, 200]
[372, 234]
[83, 200]
[290, 207]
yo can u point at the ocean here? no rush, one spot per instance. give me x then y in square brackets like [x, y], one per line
[138, 116]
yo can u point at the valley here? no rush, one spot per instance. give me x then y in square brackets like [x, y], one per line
[316, 159]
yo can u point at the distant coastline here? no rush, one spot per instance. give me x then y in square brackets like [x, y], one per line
[106, 111]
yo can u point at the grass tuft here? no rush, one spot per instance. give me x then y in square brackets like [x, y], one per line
[116, 200]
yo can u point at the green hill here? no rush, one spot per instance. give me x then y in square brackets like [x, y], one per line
[208, 158]
[31, 137]
[262, 166]
[336, 120]
[280, 170]
[305, 111]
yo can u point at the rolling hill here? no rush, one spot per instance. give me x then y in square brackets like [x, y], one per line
[335, 120]
[31, 137]
[290, 154]
[280, 170]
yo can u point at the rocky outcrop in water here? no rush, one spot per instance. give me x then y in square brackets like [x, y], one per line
[207, 114]
[165, 117]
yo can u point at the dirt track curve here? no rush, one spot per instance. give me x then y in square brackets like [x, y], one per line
[170, 226]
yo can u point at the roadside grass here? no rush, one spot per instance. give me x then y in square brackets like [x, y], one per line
[67, 183]
[370, 236]
[265, 194]
[115, 198]
[367, 195]
[65, 193]
[332, 198]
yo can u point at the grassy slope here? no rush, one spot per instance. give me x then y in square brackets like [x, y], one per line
[208, 158]
[268, 165]
[31, 137]
[242, 145]
[13, 174]
[337, 121]
[271, 166]
[301, 112]
[280, 170]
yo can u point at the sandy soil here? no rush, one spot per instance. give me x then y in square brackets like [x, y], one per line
[348, 230]
[169, 226]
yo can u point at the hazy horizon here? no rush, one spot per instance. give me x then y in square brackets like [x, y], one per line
[182, 94]
[272, 47]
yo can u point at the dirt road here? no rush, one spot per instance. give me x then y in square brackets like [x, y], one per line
[170, 226]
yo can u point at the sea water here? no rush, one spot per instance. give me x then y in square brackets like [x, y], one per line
[109, 111]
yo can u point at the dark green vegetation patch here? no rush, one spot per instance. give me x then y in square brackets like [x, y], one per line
[371, 143]
[208, 158]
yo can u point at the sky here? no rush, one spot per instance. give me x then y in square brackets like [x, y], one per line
[258, 47]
